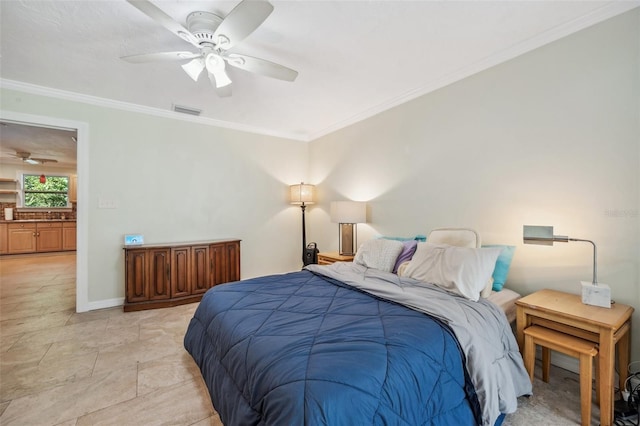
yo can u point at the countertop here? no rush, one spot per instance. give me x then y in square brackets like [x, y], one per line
[37, 220]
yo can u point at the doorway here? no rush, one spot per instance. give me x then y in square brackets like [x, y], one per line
[82, 161]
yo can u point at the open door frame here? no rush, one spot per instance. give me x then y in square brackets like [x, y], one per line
[82, 222]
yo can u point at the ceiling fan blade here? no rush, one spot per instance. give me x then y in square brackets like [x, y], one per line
[44, 160]
[240, 22]
[261, 66]
[153, 12]
[194, 68]
[159, 57]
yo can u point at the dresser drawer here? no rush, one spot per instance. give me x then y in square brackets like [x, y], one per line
[27, 225]
[46, 225]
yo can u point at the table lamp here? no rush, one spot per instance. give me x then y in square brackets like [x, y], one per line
[348, 214]
[593, 293]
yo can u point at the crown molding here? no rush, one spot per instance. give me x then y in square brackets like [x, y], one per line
[596, 16]
[130, 107]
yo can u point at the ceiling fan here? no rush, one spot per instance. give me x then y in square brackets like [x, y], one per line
[213, 36]
[26, 157]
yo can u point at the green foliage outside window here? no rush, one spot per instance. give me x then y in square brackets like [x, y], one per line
[53, 193]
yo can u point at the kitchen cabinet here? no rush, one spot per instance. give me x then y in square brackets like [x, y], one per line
[48, 236]
[38, 236]
[68, 236]
[163, 275]
[4, 239]
[21, 237]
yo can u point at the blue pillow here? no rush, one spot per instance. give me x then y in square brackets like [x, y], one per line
[421, 238]
[502, 265]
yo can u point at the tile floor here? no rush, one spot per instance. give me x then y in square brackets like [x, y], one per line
[107, 367]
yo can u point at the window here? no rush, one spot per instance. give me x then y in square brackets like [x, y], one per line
[54, 192]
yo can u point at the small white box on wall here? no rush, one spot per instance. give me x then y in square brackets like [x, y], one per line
[133, 240]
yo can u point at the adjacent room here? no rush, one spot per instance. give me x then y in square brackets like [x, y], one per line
[155, 153]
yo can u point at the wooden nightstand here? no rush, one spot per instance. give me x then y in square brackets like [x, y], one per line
[332, 256]
[566, 313]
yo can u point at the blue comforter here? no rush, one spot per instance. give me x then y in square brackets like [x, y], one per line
[304, 349]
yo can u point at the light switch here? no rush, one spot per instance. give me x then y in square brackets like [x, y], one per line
[104, 203]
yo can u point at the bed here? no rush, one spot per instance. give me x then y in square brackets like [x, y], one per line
[355, 343]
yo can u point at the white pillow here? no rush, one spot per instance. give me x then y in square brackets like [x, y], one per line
[460, 270]
[378, 254]
[460, 237]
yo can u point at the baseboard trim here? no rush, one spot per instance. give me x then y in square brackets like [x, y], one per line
[107, 303]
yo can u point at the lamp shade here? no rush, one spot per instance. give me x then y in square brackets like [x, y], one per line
[542, 235]
[348, 212]
[302, 194]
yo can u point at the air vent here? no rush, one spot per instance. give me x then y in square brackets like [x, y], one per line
[186, 110]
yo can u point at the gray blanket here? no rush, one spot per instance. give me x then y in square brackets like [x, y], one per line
[493, 360]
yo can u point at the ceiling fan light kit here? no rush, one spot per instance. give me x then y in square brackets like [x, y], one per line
[193, 68]
[213, 36]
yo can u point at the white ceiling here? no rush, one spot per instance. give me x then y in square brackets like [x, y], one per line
[355, 58]
[39, 143]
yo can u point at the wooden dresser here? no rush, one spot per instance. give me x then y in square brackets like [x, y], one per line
[164, 275]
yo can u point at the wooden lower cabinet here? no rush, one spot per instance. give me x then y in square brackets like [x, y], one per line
[137, 276]
[201, 279]
[48, 236]
[4, 239]
[37, 236]
[225, 262]
[22, 237]
[68, 236]
[232, 261]
[159, 276]
[180, 271]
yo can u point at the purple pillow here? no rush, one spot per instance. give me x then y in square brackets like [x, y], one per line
[408, 249]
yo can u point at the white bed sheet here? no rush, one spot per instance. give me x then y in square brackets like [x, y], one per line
[506, 300]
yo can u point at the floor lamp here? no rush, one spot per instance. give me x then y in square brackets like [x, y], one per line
[302, 194]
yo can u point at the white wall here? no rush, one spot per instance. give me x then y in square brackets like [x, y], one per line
[178, 181]
[549, 138]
